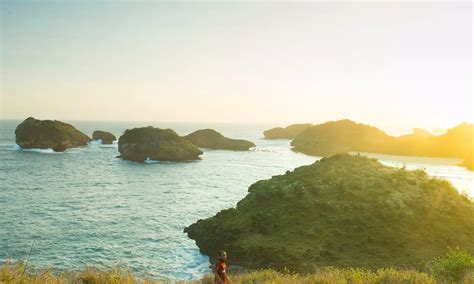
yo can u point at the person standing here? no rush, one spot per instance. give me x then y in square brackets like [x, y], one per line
[220, 269]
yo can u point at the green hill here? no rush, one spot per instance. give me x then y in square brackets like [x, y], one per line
[211, 139]
[43, 134]
[288, 132]
[343, 136]
[340, 211]
[140, 144]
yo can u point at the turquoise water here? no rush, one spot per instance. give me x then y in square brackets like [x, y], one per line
[87, 207]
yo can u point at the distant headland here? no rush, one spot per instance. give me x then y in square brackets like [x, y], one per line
[343, 136]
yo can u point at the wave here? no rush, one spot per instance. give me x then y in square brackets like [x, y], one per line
[98, 143]
[95, 142]
[16, 147]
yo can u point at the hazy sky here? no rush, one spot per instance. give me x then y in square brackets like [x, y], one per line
[395, 65]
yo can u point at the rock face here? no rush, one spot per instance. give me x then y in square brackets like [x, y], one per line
[106, 137]
[347, 136]
[340, 211]
[140, 144]
[288, 132]
[43, 134]
[211, 139]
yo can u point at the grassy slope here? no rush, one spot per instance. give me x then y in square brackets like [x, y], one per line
[14, 274]
[341, 211]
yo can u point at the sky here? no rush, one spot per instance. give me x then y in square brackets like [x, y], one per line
[394, 65]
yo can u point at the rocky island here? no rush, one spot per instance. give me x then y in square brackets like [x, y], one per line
[211, 139]
[44, 134]
[104, 136]
[342, 136]
[140, 144]
[288, 132]
[341, 211]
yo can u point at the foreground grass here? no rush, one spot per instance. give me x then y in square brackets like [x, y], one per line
[456, 266]
[14, 273]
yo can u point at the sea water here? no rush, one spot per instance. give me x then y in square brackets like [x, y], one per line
[86, 207]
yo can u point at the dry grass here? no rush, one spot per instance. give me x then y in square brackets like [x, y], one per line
[13, 273]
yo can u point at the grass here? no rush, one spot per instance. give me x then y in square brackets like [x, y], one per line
[14, 273]
[343, 211]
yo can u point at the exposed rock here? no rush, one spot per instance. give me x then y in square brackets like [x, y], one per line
[211, 139]
[104, 136]
[288, 132]
[140, 144]
[340, 211]
[54, 134]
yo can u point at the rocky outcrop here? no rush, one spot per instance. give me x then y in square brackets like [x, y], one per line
[140, 144]
[44, 134]
[288, 132]
[104, 136]
[340, 211]
[211, 139]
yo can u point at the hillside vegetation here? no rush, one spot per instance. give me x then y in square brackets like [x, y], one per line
[211, 139]
[288, 132]
[343, 211]
[54, 134]
[343, 136]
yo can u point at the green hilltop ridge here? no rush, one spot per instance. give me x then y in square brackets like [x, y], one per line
[343, 136]
[44, 134]
[288, 132]
[211, 139]
[340, 211]
[140, 144]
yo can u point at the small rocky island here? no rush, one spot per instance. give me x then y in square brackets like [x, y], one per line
[44, 134]
[140, 144]
[211, 139]
[104, 136]
[288, 132]
[341, 211]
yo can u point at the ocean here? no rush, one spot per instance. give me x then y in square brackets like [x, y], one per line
[86, 207]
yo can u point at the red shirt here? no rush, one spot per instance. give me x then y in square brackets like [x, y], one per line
[220, 270]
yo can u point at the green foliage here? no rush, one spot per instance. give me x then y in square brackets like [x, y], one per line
[342, 136]
[454, 265]
[34, 133]
[341, 211]
[211, 139]
[138, 144]
[288, 132]
[10, 273]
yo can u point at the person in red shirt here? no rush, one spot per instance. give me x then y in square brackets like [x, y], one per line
[220, 269]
